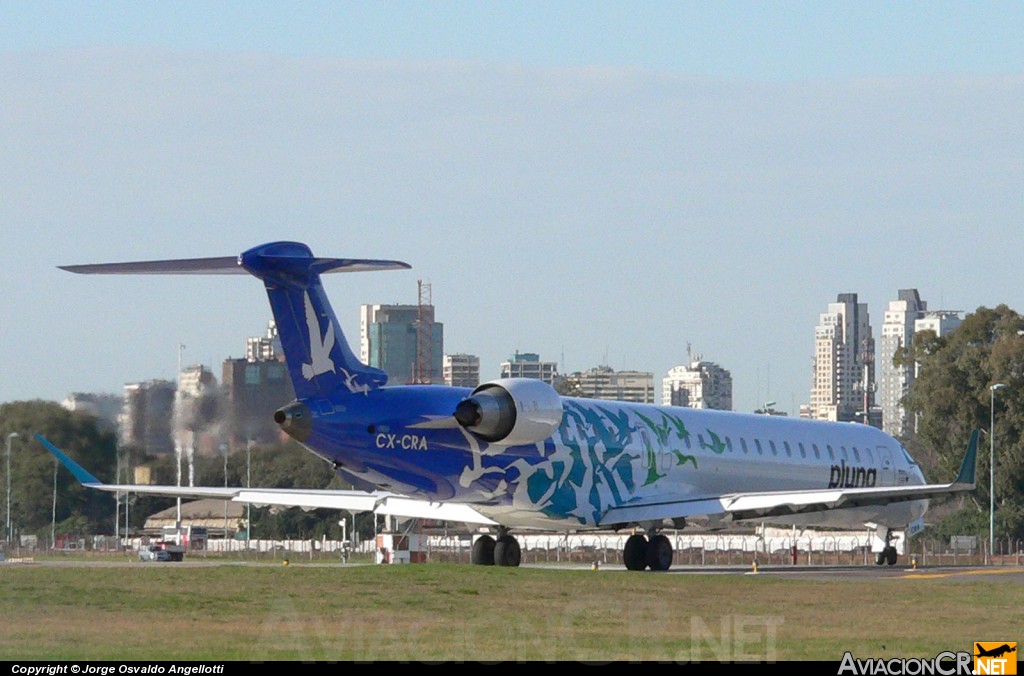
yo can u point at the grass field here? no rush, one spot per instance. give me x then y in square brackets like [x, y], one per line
[458, 612]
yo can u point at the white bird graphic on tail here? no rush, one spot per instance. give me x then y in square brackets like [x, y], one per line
[319, 347]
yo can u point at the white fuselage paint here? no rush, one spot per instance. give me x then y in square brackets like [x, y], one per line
[758, 454]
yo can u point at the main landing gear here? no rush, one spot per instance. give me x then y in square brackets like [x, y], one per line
[888, 553]
[504, 551]
[654, 553]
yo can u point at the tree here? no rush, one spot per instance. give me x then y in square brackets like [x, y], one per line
[81, 437]
[951, 396]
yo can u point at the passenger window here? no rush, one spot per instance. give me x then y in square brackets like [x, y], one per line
[757, 444]
[771, 445]
[831, 453]
[728, 444]
[817, 451]
[687, 440]
[803, 451]
[743, 444]
[871, 456]
[842, 453]
[700, 441]
[789, 451]
[856, 454]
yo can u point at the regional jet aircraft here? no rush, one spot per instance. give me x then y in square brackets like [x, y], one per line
[513, 454]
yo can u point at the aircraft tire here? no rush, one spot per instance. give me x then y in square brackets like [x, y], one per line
[890, 556]
[659, 552]
[507, 552]
[880, 557]
[482, 553]
[634, 554]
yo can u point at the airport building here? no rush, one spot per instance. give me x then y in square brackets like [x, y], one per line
[461, 370]
[404, 341]
[529, 365]
[843, 372]
[701, 384]
[603, 382]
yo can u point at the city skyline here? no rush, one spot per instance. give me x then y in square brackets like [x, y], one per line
[696, 177]
[906, 309]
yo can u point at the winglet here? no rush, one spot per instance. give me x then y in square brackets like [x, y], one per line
[967, 467]
[80, 472]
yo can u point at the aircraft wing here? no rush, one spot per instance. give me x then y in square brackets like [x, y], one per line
[771, 504]
[390, 504]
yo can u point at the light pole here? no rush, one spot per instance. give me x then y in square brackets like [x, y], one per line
[224, 450]
[53, 515]
[992, 467]
[7, 531]
[248, 484]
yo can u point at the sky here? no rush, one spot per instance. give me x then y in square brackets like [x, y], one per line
[598, 182]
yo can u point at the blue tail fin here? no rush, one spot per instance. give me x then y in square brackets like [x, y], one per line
[320, 361]
[319, 358]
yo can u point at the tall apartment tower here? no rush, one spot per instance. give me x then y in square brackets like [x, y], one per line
[843, 375]
[265, 348]
[701, 384]
[461, 370]
[898, 331]
[390, 338]
[145, 420]
[529, 365]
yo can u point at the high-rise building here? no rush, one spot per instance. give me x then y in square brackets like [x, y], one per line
[461, 370]
[702, 384]
[253, 390]
[265, 348]
[897, 335]
[603, 382]
[145, 420]
[843, 374]
[529, 365]
[391, 338]
[106, 408]
[940, 322]
[197, 410]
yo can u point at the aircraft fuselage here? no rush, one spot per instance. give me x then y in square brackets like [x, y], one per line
[604, 454]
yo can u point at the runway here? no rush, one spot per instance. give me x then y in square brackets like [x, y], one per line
[966, 573]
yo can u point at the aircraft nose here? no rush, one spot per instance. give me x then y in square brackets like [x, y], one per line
[295, 420]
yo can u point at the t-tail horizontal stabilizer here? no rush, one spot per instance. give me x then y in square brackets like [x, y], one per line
[319, 358]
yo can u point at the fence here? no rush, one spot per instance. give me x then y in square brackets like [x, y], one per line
[697, 549]
[729, 549]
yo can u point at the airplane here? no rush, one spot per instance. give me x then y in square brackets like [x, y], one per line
[512, 454]
[994, 652]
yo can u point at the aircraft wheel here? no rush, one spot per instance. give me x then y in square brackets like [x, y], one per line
[659, 552]
[880, 557]
[634, 554]
[483, 551]
[507, 551]
[890, 556]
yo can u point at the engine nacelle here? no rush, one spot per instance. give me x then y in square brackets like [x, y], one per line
[511, 411]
